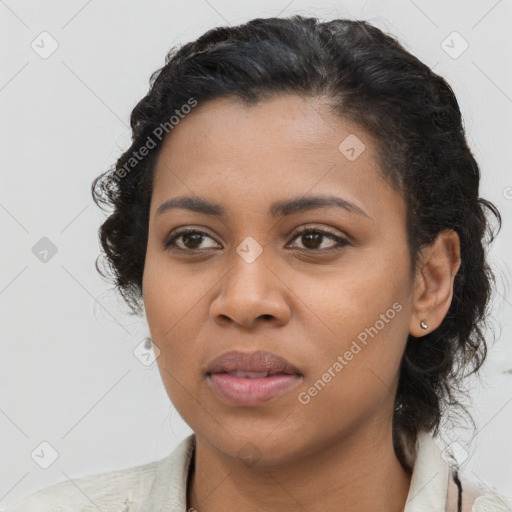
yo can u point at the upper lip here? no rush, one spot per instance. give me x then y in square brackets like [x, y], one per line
[259, 361]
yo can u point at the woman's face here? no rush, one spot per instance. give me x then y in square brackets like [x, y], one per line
[334, 302]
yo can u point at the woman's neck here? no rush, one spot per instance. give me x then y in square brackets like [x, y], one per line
[357, 473]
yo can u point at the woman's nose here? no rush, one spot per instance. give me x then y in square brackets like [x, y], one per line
[251, 292]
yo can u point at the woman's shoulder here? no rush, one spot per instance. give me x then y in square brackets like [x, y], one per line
[458, 490]
[111, 491]
[132, 489]
[475, 496]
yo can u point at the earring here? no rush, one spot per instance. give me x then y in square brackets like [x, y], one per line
[423, 325]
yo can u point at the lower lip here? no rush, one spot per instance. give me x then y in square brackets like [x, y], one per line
[245, 391]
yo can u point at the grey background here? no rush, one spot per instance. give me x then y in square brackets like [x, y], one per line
[68, 371]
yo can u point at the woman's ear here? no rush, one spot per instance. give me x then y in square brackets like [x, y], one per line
[438, 264]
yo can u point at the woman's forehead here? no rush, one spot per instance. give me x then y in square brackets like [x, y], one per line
[284, 135]
[279, 122]
[231, 150]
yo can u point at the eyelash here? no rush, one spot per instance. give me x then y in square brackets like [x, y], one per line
[341, 242]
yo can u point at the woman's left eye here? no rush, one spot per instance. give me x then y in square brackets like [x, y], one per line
[312, 240]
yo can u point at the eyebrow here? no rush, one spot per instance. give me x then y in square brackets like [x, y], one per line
[277, 209]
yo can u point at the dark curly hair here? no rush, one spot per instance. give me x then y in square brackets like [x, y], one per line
[365, 76]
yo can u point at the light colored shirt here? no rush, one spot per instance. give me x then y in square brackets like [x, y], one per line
[161, 486]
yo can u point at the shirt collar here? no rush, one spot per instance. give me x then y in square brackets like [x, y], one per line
[430, 474]
[169, 491]
[427, 492]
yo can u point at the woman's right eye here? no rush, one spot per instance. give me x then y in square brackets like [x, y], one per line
[187, 240]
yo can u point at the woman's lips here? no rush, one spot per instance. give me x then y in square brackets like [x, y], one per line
[251, 378]
[251, 391]
[257, 361]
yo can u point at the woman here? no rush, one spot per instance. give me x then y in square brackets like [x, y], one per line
[298, 216]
